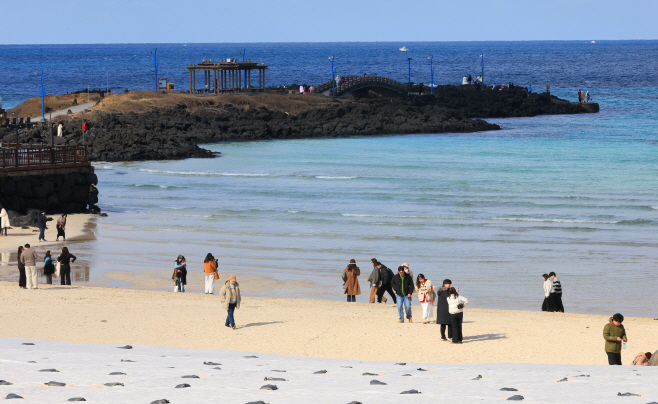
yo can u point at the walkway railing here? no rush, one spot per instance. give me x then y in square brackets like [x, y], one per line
[347, 82]
[41, 156]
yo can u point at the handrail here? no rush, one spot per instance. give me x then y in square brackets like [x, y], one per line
[31, 156]
[349, 81]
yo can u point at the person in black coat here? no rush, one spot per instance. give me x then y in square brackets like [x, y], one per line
[385, 277]
[65, 259]
[442, 313]
[22, 278]
[41, 224]
[403, 286]
[48, 267]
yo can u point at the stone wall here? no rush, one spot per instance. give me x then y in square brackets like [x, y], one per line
[54, 190]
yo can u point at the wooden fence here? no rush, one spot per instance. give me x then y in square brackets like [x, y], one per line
[40, 156]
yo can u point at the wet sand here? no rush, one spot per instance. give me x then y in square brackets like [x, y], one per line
[307, 328]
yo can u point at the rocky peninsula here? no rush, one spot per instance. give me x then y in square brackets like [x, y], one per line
[164, 126]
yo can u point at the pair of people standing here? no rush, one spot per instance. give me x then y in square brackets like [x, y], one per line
[552, 294]
[210, 270]
[180, 274]
[450, 312]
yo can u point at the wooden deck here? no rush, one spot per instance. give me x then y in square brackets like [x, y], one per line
[41, 156]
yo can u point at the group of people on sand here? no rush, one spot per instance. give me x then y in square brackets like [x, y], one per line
[229, 294]
[27, 267]
[42, 221]
[401, 287]
[552, 294]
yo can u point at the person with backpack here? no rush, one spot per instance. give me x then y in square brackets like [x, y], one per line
[351, 279]
[386, 276]
[403, 285]
[456, 305]
[614, 334]
[48, 267]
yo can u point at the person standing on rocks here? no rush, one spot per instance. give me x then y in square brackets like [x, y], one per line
[4, 222]
[61, 227]
[48, 267]
[22, 280]
[29, 259]
[425, 292]
[352, 287]
[587, 99]
[614, 334]
[180, 274]
[403, 285]
[41, 224]
[93, 199]
[386, 276]
[59, 130]
[442, 309]
[557, 293]
[210, 271]
[230, 298]
[456, 305]
[65, 259]
[580, 96]
[374, 280]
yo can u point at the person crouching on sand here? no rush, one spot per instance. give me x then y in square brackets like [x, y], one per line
[210, 270]
[425, 292]
[403, 286]
[180, 274]
[614, 334]
[456, 305]
[352, 287]
[230, 298]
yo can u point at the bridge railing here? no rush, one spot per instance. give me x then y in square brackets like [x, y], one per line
[347, 82]
[40, 156]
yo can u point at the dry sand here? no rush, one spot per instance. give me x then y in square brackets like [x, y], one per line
[77, 228]
[311, 328]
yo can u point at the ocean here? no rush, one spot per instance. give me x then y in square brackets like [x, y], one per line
[492, 211]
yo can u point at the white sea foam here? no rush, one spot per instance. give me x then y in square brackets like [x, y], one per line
[329, 177]
[547, 220]
[205, 173]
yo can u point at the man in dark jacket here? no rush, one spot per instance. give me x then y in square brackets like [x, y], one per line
[614, 334]
[403, 285]
[442, 313]
[41, 224]
[385, 277]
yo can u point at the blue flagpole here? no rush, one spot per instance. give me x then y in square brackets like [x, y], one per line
[43, 109]
[155, 65]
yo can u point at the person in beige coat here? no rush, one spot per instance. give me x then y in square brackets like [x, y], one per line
[352, 287]
[29, 259]
[230, 297]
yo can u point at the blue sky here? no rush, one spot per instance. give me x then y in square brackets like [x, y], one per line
[212, 21]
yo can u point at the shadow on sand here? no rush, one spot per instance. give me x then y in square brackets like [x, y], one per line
[483, 337]
[260, 324]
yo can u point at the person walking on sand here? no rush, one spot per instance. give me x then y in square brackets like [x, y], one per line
[549, 294]
[425, 292]
[210, 270]
[374, 280]
[352, 287]
[443, 310]
[385, 276]
[557, 293]
[614, 334]
[4, 222]
[456, 305]
[22, 279]
[61, 227]
[180, 274]
[29, 259]
[48, 267]
[230, 298]
[403, 285]
[41, 224]
[65, 259]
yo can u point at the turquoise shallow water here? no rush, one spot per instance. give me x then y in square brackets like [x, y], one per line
[492, 211]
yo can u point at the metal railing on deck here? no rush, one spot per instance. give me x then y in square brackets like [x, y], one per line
[40, 156]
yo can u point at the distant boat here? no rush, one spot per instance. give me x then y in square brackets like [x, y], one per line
[184, 45]
[404, 49]
[592, 41]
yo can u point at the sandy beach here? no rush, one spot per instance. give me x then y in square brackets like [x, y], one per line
[306, 328]
[76, 230]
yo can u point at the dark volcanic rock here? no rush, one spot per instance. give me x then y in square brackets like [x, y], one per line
[516, 398]
[12, 395]
[269, 387]
[377, 383]
[76, 399]
[55, 384]
[411, 392]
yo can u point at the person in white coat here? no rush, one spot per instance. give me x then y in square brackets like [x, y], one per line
[4, 222]
[456, 305]
[549, 291]
[59, 130]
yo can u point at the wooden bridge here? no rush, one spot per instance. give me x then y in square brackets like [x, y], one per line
[41, 156]
[360, 85]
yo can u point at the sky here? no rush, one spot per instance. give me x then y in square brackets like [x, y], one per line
[217, 21]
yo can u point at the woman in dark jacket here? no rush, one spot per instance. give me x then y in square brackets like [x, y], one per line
[180, 274]
[22, 279]
[48, 267]
[65, 259]
[442, 313]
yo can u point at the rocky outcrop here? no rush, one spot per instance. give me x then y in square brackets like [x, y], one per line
[654, 359]
[175, 132]
[53, 191]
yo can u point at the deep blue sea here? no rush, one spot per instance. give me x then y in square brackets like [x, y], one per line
[493, 211]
